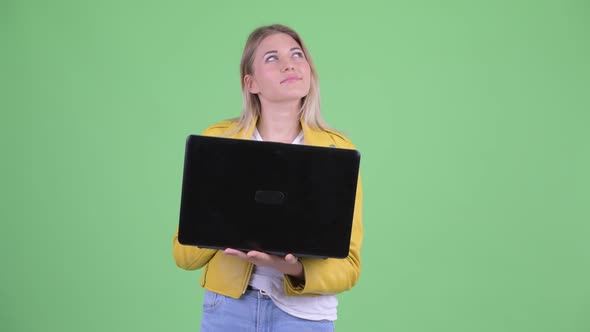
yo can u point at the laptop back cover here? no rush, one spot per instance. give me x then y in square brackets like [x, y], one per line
[266, 196]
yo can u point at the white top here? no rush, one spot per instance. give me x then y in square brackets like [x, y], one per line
[269, 280]
[297, 140]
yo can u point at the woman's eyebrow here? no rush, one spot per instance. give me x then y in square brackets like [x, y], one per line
[273, 51]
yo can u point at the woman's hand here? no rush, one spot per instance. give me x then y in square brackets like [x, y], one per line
[288, 265]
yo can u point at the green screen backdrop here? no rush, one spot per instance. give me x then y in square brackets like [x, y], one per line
[471, 117]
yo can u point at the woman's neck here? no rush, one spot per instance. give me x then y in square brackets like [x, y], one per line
[280, 123]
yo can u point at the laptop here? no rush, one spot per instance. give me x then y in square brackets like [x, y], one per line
[266, 196]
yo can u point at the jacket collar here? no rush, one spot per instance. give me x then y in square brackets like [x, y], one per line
[310, 136]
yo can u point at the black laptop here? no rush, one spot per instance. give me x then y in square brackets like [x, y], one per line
[272, 197]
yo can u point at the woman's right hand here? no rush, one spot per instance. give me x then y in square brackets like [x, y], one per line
[288, 264]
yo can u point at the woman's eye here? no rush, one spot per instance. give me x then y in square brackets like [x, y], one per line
[298, 54]
[271, 58]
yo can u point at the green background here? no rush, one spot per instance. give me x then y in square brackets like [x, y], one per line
[471, 116]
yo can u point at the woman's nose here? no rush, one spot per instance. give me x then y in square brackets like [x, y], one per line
[287, 65]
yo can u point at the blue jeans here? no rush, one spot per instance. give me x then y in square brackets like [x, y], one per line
[253, 312]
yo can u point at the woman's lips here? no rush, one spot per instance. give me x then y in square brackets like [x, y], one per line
[291, 79]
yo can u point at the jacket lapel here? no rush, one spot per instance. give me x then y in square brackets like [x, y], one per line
[316, 137]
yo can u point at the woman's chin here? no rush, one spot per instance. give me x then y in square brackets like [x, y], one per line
[294, 95]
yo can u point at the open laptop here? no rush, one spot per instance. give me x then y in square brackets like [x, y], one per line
[272, 197]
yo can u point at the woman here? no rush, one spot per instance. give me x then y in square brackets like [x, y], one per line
[246, 291]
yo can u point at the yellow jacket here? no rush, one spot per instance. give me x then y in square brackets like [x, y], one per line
[229, 275]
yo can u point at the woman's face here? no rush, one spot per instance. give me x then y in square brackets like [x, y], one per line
[281, 72]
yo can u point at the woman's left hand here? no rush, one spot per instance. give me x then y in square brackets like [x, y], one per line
[288, 265]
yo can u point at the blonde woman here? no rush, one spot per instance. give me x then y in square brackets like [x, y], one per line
[256, 291]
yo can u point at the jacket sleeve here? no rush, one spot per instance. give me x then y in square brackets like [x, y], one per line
[190, 257]
[331, 275]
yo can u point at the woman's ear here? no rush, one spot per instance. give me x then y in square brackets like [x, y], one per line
[250, 84]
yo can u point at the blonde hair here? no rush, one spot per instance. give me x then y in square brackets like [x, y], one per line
[251, 107]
